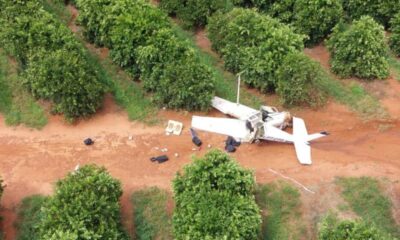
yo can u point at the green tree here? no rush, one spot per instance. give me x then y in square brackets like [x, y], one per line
[299, 81]
[381, 10]
[333, 229]
[254, 43]
[395, 36]
[214, 199]
[194, 13]
[53, 61]
[131, 29]
[316, 18]
[85, 206]
[359, 50]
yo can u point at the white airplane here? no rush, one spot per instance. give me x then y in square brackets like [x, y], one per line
[252, 126]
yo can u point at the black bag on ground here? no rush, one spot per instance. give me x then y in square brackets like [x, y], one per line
[232, 141]
[196, 140]
[88, 141]
[160, 159]
[230, 148]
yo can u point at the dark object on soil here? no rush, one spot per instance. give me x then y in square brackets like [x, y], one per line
[232, 141]
[231, 144]
[230, 148]
[195, 139]
[160, 159]
[88, 142]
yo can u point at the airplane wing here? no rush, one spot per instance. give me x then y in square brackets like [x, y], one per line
[239, 111]
[225, 126]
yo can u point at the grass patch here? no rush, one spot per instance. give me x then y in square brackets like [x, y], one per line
[29, 217]
[395, 66]
[366, 199]
[152, 221]
[226, 82]
[354, 96]
[128, 94]
[280, 203]
[16, 103]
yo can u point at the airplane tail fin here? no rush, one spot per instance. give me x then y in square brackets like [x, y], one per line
[302, 139]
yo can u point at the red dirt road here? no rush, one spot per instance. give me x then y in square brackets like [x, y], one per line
[31, 161]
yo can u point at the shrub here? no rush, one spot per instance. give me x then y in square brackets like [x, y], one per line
[395, 37]
[55, 63]
[85, 206]
[67, 79]
[170, 67]
[214, 200]
[316, 18]
[131, 30]
[331, 228]
[299, 81]
[195, 12]
[253, 43]
[359, 50]
[381, 10]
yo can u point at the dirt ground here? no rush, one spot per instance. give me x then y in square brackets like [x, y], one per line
[31, 161]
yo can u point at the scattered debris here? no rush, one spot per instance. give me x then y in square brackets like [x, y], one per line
[291, 179]
[130, 138]
[88, 142]
[209, 146]
[76, 167]
[164, 150]
[231, 144]
[160, 159]
[174, 127]
[176, 155]
[195, 139]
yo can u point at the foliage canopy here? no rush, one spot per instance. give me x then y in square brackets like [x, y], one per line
[195, 12]
[359, 50]
[254, 44]
[131, 30]
[331, 229]
[395, 37]
[85, 206]
[214, 200]
[54, 62]
[299, 81]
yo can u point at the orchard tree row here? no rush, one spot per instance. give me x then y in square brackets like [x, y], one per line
[142, 41]
[214, 199]
[54, 63]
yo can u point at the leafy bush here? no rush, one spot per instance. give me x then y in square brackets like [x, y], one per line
[195, 12]
[381, 10]
[214, 200]
[395, 37]
[359, 50]
[152, 221]
[331, 228]
[253, 43]
[299, 81]
[169, 66]
[131, 30]
[85, 206]
[316, 18]
[55, 64]
[29, 217]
